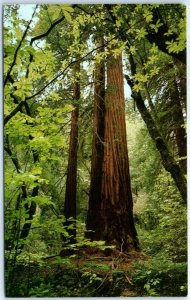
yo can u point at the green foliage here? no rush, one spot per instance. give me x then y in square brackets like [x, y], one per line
[164, 213]
[161, 277]
[44, 290]
[161, 220]
[144, 157]
[62, 280]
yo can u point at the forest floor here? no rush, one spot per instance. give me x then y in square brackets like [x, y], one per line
[90, 274]
[120, 263]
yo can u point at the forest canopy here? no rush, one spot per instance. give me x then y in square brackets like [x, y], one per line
[95, 151]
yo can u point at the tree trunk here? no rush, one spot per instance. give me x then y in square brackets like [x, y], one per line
[168, 160]
[21, 234]
[32, 208]
[94, 222]
[117, 204]
[180, 132]
[71, 182]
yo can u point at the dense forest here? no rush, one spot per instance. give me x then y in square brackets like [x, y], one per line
[95, 154]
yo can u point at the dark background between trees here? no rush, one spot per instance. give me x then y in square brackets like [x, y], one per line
[95, 179]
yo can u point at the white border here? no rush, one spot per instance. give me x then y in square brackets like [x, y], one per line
[2, 294]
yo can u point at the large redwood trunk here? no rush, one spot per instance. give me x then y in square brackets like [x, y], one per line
[116, 197]
[71, 182]
[94, 222]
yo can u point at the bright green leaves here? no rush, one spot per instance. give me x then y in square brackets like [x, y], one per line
[148, 16]
[156, 26]
[141, 33]
[19, 127]
[179, 29]
[43, 65]
[29, 179]
[56, 115]
[152, 66]
[41, 200]
[47, 138]
[178, 45]
[67, 10]
[118, 51]
[67, 16]
[40, 144]
[56, 11]
[117, 9]
[9, 50]
[140, 79]
[23, 88]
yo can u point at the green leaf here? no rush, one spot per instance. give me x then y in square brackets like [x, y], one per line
[68, 108]
[68, 8]
[67, 16]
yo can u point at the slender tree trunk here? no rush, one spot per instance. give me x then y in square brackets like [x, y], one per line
[168, 160]
[180, 132]
[22, 233]
[181, 81]
[71, 182]
[94, 222]
[32, 208]
[117, 204]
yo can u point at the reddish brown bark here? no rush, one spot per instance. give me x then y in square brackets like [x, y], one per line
[71, 182]
[93, 216]
[117, 204]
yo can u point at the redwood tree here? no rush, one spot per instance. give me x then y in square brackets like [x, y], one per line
[117, 204]
[93, 217]
[71, 182]
[110, 213]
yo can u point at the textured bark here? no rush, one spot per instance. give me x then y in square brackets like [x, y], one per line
[117, 204]
[71, 182]
[168, 160]
[94, 222]
[180, 132]
[182, 84]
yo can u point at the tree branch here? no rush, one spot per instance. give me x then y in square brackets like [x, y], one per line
[38, 37]
[13, 157]
[18, 47]
[168, 161]
[14, 111]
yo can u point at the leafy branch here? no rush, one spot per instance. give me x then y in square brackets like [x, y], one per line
[18, 47]
[19, 106]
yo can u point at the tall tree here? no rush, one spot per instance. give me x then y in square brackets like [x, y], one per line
[180, 131]
[71, 182]
[110, 212]
[93, 217]
[168, 160]
[117, 204]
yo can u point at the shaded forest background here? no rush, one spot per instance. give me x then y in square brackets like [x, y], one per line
[95, 180]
